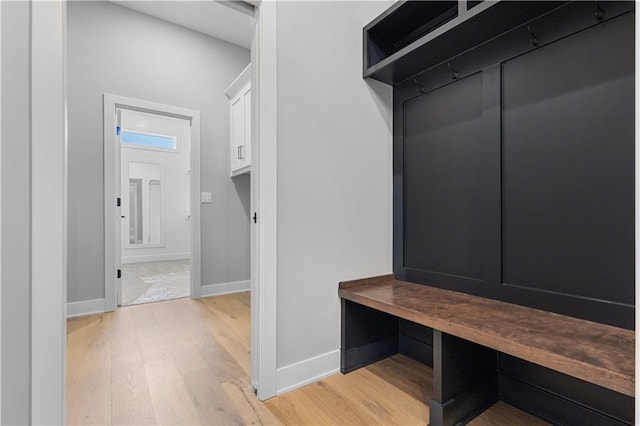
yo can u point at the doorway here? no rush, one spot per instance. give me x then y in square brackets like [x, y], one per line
[154, 164]
[48, 24]
[152, 219]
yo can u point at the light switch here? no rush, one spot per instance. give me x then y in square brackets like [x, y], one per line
[206, 197]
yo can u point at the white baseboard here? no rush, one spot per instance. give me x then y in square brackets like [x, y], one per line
[224, 288]
[86, 307]
[154, 257]
[96, 306]
[308, 371]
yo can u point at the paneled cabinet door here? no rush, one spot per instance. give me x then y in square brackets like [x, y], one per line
[237, 133]
[239, 95]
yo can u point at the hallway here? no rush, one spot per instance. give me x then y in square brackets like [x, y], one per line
[187, 361]
[174, 362]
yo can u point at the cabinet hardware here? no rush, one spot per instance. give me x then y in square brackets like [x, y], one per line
[533, 38]
[599, 12]
[452, 72]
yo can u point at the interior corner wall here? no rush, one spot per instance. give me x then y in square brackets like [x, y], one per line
[334, 178]
[112, 49]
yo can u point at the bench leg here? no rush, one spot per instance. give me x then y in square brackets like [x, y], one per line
[368, 335]
[465, 380]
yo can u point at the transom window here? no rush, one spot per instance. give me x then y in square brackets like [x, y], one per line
[148, 141]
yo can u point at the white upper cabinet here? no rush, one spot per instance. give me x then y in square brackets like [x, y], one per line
[239, 94]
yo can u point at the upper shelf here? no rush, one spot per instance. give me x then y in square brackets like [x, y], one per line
[413, 36]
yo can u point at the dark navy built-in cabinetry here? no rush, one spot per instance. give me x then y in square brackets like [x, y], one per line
[514, 165]
[514, 160]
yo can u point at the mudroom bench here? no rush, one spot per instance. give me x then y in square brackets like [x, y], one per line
[472, 342]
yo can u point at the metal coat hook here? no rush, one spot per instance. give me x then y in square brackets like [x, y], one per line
[452, 72]
[599, 12]
[533, 38]
[420, 86]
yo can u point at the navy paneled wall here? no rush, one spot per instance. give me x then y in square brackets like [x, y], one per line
[514, 173]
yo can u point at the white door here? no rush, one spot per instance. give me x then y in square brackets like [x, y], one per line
[154, 189]
[118, 238]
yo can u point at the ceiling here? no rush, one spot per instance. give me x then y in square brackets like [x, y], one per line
[204, 16]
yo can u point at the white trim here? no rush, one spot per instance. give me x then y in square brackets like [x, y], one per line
[86, 307]
[239, 83]
[264, 202]
[149, 107]
[241, 171]
[48, 212]
[194, 209]
[111, 171]
[111, 188]
[0, 218]
[243, 6]
[308, 371]
[154, 257]
[254, 202]
[225, 288]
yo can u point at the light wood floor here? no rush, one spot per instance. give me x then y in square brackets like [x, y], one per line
[187, 361]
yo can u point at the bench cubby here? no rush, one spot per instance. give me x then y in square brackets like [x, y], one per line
[481, 351]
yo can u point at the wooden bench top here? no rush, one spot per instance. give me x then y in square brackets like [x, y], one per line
[597, 353]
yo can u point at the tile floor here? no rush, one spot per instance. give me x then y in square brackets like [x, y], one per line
[154, 281]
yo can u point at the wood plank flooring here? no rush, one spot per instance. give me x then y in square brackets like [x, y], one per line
[184, 362]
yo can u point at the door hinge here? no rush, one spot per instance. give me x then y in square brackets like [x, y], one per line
[255, 217]
[119, 273]
[118, 202]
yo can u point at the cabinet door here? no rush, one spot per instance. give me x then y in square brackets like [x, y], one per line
[237, 131]
[245, 151]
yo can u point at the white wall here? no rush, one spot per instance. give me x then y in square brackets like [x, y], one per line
[334, 178]
[16, 226]
[112, 49]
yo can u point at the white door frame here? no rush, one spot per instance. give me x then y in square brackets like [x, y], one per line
[112, 189]
[264, 175]
[48, 212]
